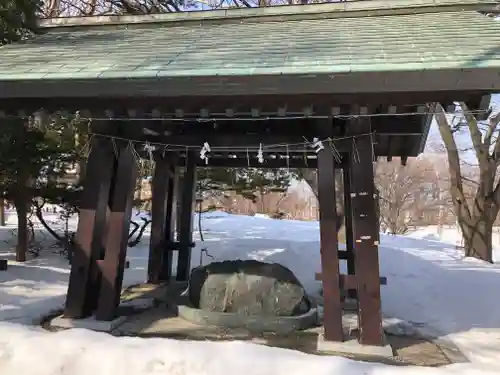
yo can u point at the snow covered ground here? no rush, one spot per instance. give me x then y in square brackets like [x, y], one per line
[450, 235]
[430, 286]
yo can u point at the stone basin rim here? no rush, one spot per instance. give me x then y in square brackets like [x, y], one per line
[253, 323]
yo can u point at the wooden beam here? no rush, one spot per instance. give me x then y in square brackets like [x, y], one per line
[348, 225]
[481, 103]
[329, 243]
[366, 236]
[169, 231]
[398, 124]
[113, 265]
[392, 148]
[160, 192]
[438, 81]
[343, 255]
[82, 294]
[186, 218]
[270, 126]
[349, 282]
[235, 105]
[178, 201]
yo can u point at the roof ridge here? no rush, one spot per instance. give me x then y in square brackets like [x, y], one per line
[355, 8]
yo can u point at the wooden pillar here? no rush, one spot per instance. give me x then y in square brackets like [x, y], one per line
[178, 201]
[166, 269]
[329, 244]
[83, 286]
[186, 218]
[160, 192]
[121, 202]
[366, 235]
[349, 234]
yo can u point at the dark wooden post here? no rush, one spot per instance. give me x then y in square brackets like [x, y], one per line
[185, 226]
[121, 202]
[178, 201]
[83, 286]
[366, 235]
[166, 269]
[349, 234]
[160, 192]
[329, 244]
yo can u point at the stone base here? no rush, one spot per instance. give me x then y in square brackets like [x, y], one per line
[352, 346]
[87, 323]
[138, 303]
[255, 324]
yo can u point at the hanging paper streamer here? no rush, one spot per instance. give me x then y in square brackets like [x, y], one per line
[260, 155]
[149, 149]
[317, 145]
[204, 151]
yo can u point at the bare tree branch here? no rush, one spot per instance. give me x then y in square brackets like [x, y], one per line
[476, 137]
[453, 160]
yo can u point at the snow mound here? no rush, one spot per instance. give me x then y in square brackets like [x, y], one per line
[431, 286]
[80, 352]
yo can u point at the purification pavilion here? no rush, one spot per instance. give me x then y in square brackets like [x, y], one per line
[361, 77]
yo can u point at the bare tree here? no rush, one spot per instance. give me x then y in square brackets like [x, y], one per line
[475, 216]
[405, 193]
[311, 177]
[68, 8]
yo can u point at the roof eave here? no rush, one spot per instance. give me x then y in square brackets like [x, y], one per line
[359, 8]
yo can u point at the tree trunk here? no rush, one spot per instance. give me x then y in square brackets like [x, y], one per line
[475, 220]
[2, 213]
[262, 203]
[39, 215]
[309, 176]
[22, 228]
[81, 170]
[21, 199]
[393, 227]
[477, 235]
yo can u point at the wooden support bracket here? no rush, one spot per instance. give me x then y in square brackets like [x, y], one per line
[176, 245]
[348, 282]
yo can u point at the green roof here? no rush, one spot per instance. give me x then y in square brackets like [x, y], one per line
[359, 36]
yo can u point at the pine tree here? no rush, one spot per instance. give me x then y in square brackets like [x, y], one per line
[33, 158]
[18, 19]
[250, 183]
